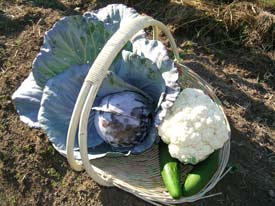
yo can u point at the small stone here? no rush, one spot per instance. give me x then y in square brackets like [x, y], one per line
[271, 193]
[226, 103]
[77, 8]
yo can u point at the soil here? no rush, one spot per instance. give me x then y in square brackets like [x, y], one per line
[33, 173]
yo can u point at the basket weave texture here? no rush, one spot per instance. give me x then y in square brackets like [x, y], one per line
[137, 174]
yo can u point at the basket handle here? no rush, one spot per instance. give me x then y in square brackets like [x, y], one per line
[92, 83]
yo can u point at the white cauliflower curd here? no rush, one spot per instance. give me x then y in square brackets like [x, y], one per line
[194, 127]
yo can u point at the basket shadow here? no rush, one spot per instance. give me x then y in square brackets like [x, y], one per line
[253, 63]
[257, 65]
[116, 197]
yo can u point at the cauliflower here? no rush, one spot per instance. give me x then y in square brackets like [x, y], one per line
[194, 127]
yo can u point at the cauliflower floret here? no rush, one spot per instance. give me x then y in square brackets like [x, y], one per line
[194, 127]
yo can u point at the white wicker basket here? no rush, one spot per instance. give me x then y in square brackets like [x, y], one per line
[137, 174]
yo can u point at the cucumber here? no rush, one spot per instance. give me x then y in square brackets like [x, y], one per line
[201, 174]
[170, 171]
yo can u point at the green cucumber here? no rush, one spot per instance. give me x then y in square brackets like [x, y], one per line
[201, 174]
[170, 171]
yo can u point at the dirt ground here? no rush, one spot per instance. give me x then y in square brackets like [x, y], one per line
[241, 71]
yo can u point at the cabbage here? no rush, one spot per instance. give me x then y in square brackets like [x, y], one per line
[47, 97]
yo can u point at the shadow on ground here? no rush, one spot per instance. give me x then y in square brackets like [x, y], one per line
[53, 4]
[10, 25]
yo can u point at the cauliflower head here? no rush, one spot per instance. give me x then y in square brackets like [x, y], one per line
[194, 127]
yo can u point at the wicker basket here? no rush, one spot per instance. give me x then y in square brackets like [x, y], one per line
[137, 174]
